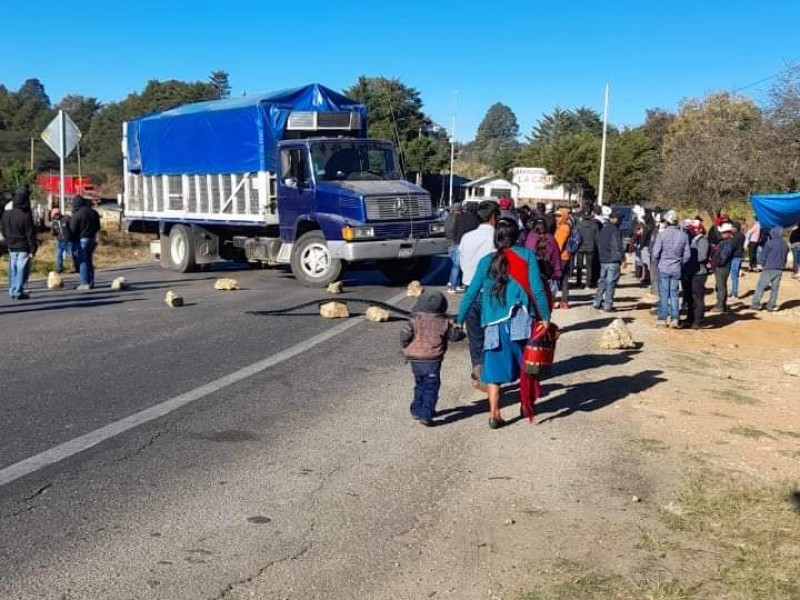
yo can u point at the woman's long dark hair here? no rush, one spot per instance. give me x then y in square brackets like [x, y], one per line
[506, 233]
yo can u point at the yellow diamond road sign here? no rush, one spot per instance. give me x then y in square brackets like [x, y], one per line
[52, 135]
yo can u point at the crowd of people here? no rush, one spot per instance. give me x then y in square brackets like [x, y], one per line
[515, 267]
[677, 258]
[75, 239]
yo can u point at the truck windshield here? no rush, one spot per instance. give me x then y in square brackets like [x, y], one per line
[349, 160]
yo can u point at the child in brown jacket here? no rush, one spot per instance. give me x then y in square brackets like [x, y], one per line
[424, 341]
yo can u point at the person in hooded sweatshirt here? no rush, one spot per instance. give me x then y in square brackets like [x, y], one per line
[84, 226]
[773, 261]
[17, 228]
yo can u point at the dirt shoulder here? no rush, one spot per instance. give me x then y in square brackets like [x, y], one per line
[661, 472]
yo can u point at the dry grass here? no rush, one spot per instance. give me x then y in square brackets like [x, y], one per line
[112, 249]
[751, 534]
[755, 529]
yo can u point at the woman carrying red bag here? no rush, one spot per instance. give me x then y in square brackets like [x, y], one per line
[512, 294]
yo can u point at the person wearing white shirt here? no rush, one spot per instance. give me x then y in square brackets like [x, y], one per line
[473, 247]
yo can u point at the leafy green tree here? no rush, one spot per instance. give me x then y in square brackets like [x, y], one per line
[394, 112]
[80, 109]
[495, 143]
[14, 176]
[33, 89]
[631, 168]
[221, 82]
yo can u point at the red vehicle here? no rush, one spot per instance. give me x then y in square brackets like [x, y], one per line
[73, 186]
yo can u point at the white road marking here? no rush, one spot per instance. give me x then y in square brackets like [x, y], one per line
[86, 441]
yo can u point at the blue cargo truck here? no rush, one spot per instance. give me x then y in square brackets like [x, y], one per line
[287, 178]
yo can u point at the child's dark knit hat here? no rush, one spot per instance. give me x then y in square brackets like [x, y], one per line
[431, 302]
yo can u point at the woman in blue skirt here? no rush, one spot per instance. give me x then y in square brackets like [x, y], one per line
[512, 295]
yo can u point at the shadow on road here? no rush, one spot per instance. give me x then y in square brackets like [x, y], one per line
[594, 395]
[93, 302]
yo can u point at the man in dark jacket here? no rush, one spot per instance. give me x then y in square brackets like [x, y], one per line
[584, 262]
[611, 253]
[695, 273]
[85, 224]
[721, 259]
[773, 260]
[17, 228]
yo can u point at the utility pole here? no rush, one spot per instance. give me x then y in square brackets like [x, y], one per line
[603, 151]
[453, 144]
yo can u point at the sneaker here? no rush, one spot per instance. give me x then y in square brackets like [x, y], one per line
[460, 289]
[23, 296]
[451, 289]
[661, 323]
[84, 287]
[675, 325]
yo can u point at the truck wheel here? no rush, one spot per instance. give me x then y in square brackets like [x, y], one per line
[312, 263]
[403, 272]
[181, 249]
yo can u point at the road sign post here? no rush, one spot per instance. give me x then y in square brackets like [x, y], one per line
[62, 135]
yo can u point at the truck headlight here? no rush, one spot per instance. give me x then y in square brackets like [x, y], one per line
[350, 234]
[437, 229]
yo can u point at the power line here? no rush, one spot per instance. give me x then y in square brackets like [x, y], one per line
[792, 66]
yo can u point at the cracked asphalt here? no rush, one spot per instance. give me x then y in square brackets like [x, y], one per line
[306, 480]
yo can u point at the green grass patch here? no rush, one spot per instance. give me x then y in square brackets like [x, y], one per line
[735, 397]
[722, 415]
[650, 445]
[750, 432]
[608, 587]
[755, 530]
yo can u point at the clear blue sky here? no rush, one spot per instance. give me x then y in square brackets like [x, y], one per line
[530, 55]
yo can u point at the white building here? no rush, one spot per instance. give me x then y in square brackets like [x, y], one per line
[534, 185]
[490, 187]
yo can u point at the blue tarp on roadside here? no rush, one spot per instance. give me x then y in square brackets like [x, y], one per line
[776, 210]
[235, 135]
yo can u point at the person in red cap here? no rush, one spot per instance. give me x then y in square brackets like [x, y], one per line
[507, 210]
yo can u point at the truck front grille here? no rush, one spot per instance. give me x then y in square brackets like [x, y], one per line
[398, 207]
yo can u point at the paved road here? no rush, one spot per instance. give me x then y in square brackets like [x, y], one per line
[75, 362]
[305, 480]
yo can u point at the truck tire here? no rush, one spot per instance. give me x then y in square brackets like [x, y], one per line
[181, 249]
[403, 272]
[312, 263]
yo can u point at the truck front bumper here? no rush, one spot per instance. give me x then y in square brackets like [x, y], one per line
[388, 249]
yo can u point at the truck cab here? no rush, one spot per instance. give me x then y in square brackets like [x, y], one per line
[351, 193]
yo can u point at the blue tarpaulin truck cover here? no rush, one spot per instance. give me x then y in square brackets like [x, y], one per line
[776, 210]
[236, 135]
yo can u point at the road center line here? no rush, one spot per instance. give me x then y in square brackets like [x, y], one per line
[86, 441]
